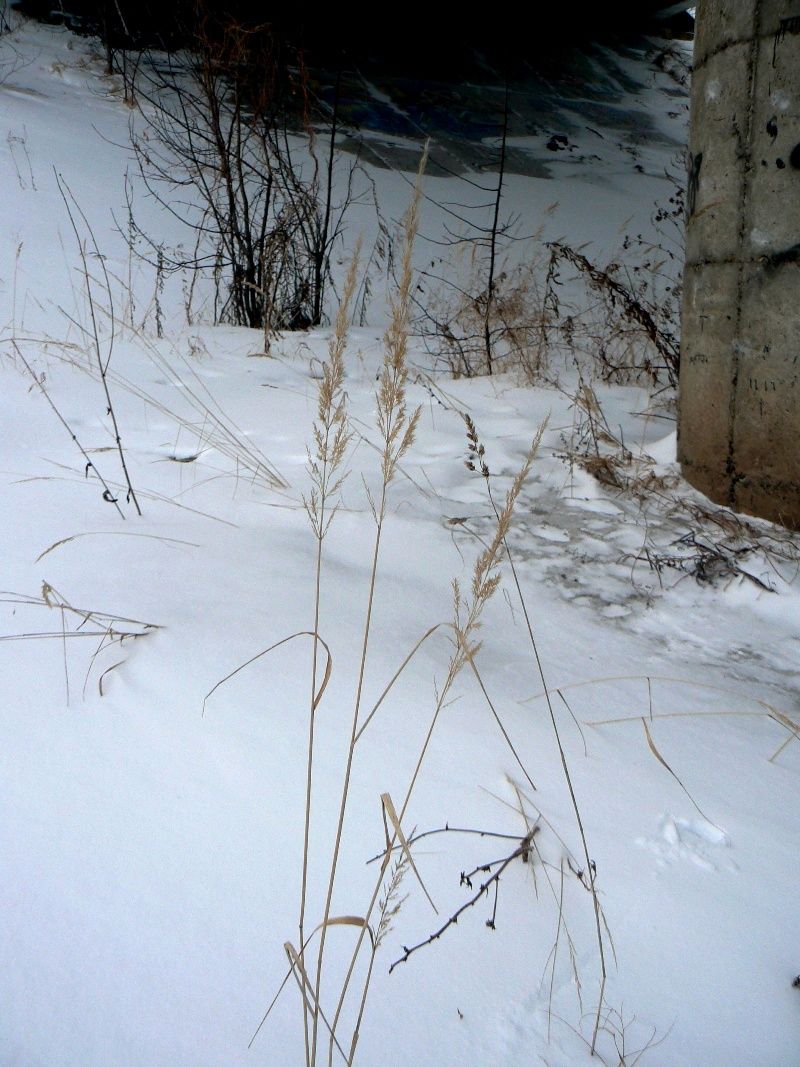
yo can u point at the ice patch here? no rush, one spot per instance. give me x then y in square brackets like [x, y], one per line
[616, 611]
[550, 533]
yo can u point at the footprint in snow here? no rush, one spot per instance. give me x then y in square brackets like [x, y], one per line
[695, 840]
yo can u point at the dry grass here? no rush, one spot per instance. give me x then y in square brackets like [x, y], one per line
[458, 316]
[624, 328]
[395, 425]
[396, 428]
[325, 464]
[75, 624]
[478, 463]
[202, 417]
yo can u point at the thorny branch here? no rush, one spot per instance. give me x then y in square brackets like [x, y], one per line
[522, 851]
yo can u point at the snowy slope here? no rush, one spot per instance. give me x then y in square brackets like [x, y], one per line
[151, 847]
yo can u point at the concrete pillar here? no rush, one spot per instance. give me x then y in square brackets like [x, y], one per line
[739, 408]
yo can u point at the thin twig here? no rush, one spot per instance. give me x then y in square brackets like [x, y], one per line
[102, 366]
[108, 496]
[522, 850]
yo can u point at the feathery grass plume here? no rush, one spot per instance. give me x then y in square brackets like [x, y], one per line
[475, 461]
[485, 573]
[395, 426]
[391, 902]
[331, 436]
[330, 431]
[396, 429]
[389, 907]
[465, 624]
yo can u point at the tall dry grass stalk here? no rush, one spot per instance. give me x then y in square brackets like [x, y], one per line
[478, 463]
[396, 426]
[396, 429]
[465, 625]
[325, 466]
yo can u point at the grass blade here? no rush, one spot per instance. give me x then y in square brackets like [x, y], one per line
[652, 746]
[389, 809]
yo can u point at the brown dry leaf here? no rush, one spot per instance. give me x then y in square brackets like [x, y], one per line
[347, 920]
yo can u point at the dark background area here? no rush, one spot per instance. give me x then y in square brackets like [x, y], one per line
[431, 40]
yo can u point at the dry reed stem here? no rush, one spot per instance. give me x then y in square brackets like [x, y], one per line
[277, 644]
[559, 901]
[388, 808]
[498, 720]
[388, 907]
[390, 684]
[110, 631]
[652, 746]
[649, 678]
[113, 533]
[310, 998]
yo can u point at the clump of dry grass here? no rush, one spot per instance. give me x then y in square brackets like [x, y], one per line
[91, 467]
[201, 415]
[460, 319]
[396, 425]
[719, 546]
[101, 358]
[464, 626]
[711, 544]
[592, 446]
[625, 329]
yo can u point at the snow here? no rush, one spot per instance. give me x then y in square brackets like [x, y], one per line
[152, 845]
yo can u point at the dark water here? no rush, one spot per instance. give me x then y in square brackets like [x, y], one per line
[595, 94]
[574, 72]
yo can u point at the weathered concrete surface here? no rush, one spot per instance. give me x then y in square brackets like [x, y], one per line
[739, 414]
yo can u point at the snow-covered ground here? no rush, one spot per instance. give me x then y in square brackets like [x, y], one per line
[151, 847]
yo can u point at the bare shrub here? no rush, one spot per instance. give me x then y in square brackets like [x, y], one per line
[11, 56]
[481, 312]
[621, 320]
[216, 132]
[621, 330]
